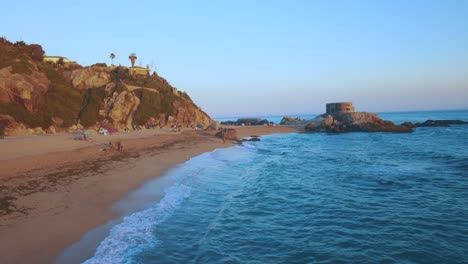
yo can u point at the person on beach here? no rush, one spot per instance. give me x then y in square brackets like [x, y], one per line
[2, 132]
[120, 146]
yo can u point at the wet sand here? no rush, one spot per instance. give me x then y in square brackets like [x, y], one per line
[54, 189]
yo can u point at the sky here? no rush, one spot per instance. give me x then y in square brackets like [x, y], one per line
[268, 57]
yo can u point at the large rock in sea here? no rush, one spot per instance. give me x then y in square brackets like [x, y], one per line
[26, 89]
[440, 123]
[91, 77]
[227, 134]
[353, 122]
[250, 121]
[294, 121]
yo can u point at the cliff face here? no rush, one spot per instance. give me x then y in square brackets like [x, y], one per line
[34, 94]
[26, 89]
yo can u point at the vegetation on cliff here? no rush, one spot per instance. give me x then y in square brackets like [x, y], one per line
[34, 92]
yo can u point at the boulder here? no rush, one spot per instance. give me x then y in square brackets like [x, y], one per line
[293, 121]
[91, 77]
[227, 134]
[57, 121]
[123, 109]
[12, 128]
[353, 122]
[7, 121]
[253, 121]
[440, 123]
[51, 130]
[247, 122]
[38, 131]
[19, 130]
[25, 89]
[214, 126]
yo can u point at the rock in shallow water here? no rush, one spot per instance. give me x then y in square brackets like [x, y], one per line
[353, 122]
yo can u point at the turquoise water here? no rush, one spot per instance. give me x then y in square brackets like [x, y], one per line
[310, 198]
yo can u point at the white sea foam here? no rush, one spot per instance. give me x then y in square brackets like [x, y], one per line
[135, 234]
[248, 145]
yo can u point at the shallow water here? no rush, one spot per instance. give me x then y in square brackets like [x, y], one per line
[309, 198]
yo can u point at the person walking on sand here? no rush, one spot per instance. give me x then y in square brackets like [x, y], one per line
[120, 146]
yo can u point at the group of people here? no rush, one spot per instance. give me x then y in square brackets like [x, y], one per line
[117, 146]
[176, 128]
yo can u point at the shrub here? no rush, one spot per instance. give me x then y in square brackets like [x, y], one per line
[151, 105]
[36, 52]
[89, 114]
[61, 100]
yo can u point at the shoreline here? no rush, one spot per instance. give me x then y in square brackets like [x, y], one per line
[54, 190]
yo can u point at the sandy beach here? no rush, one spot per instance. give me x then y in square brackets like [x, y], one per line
[54, 189]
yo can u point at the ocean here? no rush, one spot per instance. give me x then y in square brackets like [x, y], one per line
[310, 198]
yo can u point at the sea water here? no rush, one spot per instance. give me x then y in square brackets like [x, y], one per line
[310, 198]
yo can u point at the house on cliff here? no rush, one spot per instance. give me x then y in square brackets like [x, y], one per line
[55, 59]
[140, 71]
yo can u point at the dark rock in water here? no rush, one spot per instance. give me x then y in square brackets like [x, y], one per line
[435, 123]
[248, 122]
[440, 123]
[252, 138]
[294, 121]
[227, 134]
[408, 124]
[353, 122]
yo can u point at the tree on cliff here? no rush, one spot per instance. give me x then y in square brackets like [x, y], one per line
[20, 44]
[60, 62]
[133, 57]
[112, 57]
[36, 52]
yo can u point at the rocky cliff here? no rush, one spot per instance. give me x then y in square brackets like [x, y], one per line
[34, 94]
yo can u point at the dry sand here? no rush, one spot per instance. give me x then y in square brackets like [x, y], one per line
[53, 189]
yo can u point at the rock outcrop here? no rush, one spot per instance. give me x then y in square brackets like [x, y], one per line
[227, 134]
[60, 97]
[188, 114]
[90, 77]
[435, 123]
[6, 121]
[353, 122]
[248, 122]
[294, 121]
[123, 109]
[26, 89]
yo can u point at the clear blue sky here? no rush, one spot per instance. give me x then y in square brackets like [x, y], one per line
[269, 57]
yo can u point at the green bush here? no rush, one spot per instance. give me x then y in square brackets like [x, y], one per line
[151, 105]
[89, 114]
[61, 100]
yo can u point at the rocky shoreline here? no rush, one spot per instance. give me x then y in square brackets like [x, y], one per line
[359, 122]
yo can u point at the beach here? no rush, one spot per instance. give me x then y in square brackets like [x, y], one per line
[54, 189]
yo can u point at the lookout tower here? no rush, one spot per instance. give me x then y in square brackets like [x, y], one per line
[341, 107]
